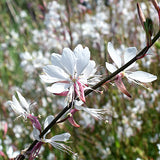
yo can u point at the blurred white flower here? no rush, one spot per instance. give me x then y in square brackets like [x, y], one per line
[70, 73]
[11, 153]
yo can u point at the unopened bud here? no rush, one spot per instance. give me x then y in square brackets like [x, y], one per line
[141, 15]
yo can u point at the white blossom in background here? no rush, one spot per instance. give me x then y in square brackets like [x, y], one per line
[11, 153]
[70, 73]
[34, 60]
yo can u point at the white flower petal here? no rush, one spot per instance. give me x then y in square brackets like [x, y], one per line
[68, 60]
[111, 67]
[60, 146]
[61, 137]
[58, 87]
[113, 54]
[142, 76]
[56, 59]
[89, 70]
[83, 57]
[15, 108]
[129, 54]
[23, 102]
[48, 120]
[55, 72]
[48, 79]
[36, 134]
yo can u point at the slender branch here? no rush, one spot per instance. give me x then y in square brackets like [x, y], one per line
[140, 54]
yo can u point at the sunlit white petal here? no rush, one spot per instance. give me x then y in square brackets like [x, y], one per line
[82, 62]
[89, 70]
[129, 54]
[114, 55]
[111, 67]
[55, 72]
[68, 60]
[58, 87]
[47, 121]
[23, 102]
[142, 76]
[61, 137]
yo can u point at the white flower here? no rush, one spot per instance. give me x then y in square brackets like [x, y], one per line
[11, 153]
[21, 107]
[96, 113]
[55, 141]
[70, 73]
[100, 114]
[121, 59]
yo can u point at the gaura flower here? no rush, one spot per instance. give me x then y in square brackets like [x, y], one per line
[22, 108]
[119, 60]
[55, 141]
[70, 73]
[100, 114]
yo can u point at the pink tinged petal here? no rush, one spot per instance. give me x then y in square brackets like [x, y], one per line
[129, 54]
[58, 88]
[68, 60]
[23, 102]
[56, 73]
[111, 68]
[142, 76]
[35, 121]
[62, 93]
[83, 57]
[71, 120]
[122, 87]
[81, 90]
[114, 55]
[34, 152]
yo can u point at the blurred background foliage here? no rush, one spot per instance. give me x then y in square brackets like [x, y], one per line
[133, 131]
